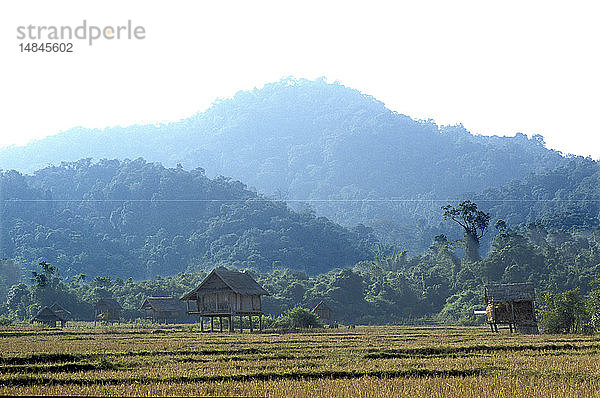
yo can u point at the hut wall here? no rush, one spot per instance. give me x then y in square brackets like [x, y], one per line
[246, 303]
[113, 314]
[256, 303]
[323, 313]
[220, 302]
[166, 315]
[503, 312]
[524, 312]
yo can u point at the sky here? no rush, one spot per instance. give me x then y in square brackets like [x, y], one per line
[496, 67]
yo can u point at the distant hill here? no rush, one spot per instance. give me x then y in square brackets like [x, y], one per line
[566, 198]
[338, 150]
[138, 219]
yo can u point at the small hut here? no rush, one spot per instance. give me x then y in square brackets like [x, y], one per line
[162, 309]
[61, 311]
[225, 294]
[49, 318]
[323, 311]
[511, 304]
[107, 310]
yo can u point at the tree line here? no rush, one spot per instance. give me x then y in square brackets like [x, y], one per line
[392, 287]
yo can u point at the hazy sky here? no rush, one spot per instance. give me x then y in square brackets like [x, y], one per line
[497, 67]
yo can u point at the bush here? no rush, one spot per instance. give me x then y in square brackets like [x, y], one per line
[7, 320]
[563, 313]
[298, 318]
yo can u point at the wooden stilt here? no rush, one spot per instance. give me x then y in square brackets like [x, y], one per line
[221, 323]
[512, 313]
[212, 326]
[251, 328]
[231, 323]
[260, 322]
[241, 325]
[202, 324]
[492, 327]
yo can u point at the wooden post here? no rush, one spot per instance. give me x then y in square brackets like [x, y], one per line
[231, 323]
[251, 328]
[241, 324]
[202, 324]
[512, 315]
[212, 329]
[221, 323]
[492, 327]
[260, 322]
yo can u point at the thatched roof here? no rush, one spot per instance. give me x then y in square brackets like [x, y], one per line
[509, 292]
[108, 303]
[47, 315]
[238, 282]
[322, 306]
[162, 304]
[60, 310]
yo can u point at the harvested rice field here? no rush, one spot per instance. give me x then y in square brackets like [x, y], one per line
[364, 361]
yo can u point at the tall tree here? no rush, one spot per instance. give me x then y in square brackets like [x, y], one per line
[474, 223]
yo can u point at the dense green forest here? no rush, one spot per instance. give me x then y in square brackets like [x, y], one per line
[138, 219]
[318, 145]
[131, 229]
[390, 288]
[565, 198]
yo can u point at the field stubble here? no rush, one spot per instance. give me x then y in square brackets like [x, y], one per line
[366, 361]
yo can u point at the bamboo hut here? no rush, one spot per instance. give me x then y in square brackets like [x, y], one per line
[61, 311]
[225, 294]
[107, 310]
[49, 318]
[164, 309]
[323, 312]
[511, 304]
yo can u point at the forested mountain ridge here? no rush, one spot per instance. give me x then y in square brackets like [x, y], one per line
[341, 151]
[138, 219]
[566, 198]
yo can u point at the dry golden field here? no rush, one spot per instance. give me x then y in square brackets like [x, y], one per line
[366, 361]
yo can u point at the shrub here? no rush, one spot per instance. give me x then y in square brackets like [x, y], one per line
[6, 320]
[298, 318]
[563, 313]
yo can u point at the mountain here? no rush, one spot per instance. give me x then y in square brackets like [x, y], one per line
[565, 198]
[138, 219]
[322, 146]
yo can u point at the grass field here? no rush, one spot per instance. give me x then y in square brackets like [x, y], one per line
[366, 361]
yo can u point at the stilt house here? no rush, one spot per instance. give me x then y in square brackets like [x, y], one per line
[107, 310]
[511, 304]
[60, 311]
[323, 311]
[164, 309]
[49, 318]
[225, 294]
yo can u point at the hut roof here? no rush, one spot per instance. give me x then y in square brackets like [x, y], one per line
[47, 315]
[161, 304]
[509, 292]
[108, 302]
[59, 309]
[238, 282]
[321, 306]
